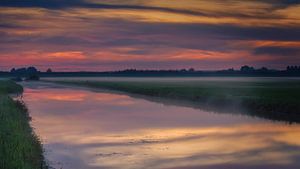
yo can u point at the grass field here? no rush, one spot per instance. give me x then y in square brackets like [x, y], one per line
[271, 99]
[20, 148]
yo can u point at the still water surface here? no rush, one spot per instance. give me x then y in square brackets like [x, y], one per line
[85, 129]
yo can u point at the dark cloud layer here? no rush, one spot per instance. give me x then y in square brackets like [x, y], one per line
[275, 50]
[82, 3]
[228, 31]
[279, 4]
[60, 4]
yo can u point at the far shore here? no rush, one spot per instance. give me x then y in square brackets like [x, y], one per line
[275, 100]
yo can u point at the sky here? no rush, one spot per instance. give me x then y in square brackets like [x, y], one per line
[104, 35]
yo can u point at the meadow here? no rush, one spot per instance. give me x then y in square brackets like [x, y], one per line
[275, 99]
[20, 148]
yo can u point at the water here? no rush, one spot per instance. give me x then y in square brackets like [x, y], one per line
[85, 129]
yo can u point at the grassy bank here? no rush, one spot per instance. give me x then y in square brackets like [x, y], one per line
[271, 99]
[20, 148]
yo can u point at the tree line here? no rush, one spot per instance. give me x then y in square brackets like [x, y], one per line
[32, 73]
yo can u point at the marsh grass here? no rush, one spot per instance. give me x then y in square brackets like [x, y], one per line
[10, 87]
[20, 148]
[275, 100]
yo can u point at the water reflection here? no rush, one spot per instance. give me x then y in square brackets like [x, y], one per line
[85, 129]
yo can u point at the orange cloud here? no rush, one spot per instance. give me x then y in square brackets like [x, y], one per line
[65, 55]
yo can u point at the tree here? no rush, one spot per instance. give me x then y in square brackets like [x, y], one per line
[247, 69]
[230, 70]
[191, 70]
[32, 73]
[20, 71]
[13, 70]
[31, 70]
[263, 70]
[49, 70]
[293, 68]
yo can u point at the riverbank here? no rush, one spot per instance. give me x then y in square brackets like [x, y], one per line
[275, 99]
[19, 146]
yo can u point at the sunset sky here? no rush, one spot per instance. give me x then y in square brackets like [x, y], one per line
[100, 35]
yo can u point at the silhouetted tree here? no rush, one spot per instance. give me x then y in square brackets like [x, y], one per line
[247, 69]
[263, 70]
[49, 70]
[32, 73]
[293, 68]
[13, 70]
[230, 70]
[20, 72]
[31, 70]
[191, 70]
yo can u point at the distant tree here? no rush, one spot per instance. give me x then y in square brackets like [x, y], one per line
[49, 70]
[191, 70]
[247, 69]
[32, 73]
[230, 70]
[31, 70]
[17, 76]
[13, 70]
[263, 70]
[293, 68]
[20, 71]
[130, 70]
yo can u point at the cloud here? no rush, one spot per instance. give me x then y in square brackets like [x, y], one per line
[281, 4]
[144, 5]
[140, 33]
[275, 50]
[52, 4]
[61, 4]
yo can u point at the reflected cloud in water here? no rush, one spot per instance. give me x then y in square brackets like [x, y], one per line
[85, 129]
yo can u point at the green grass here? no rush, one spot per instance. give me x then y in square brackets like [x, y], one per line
[20, 148]
[9, 87]
[271, 99]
